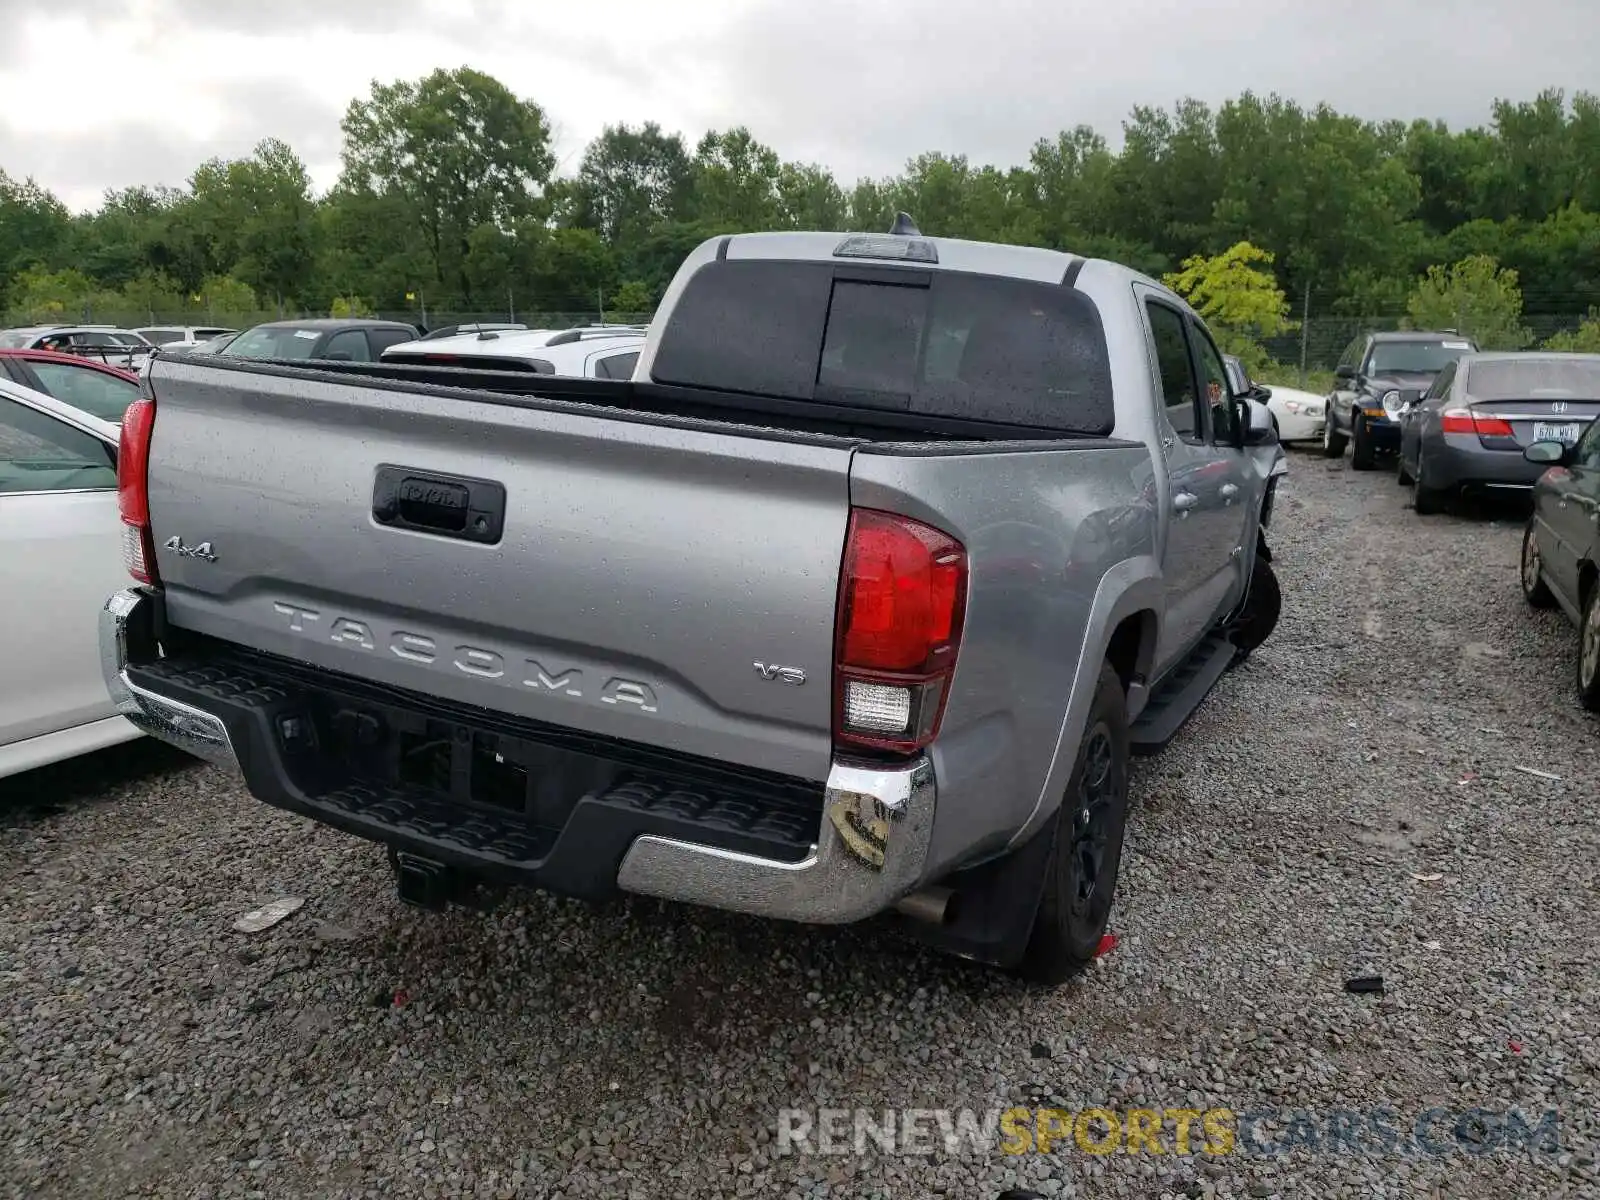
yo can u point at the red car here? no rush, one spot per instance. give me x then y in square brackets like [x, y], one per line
[95, 388]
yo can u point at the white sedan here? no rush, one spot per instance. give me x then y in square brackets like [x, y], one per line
[61, 541]
[1297, 416]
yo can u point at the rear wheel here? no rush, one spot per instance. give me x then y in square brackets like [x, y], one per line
[1081, 875]
[1589, 651]
[1362, 454]
[1424, 499]
[1534, 589]
[1332, 440]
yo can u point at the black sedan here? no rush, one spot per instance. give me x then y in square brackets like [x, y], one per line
[1470, 428]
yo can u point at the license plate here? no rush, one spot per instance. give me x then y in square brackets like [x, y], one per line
[1567, 433]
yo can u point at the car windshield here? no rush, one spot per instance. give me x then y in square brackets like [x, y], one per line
[1417, 357]
[274, 341]
[1535, 379]
[10, 339]
[163, 337]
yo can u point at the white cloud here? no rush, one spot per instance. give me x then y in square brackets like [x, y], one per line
[94, 96]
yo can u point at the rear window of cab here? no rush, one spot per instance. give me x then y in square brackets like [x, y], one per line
[935, 343]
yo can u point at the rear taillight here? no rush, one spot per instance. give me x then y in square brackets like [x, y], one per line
[902, 598]
[1464, 420]
[133, 493]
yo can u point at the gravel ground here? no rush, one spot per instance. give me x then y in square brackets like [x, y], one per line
[1347, 802]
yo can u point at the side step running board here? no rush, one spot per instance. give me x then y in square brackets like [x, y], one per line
[1180, 694]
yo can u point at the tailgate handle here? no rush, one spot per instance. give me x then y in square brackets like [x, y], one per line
[452, 506]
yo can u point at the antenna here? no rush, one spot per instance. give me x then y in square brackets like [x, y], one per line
[904, 226]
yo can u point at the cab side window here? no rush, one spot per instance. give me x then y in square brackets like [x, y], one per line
[1179, 395]
[1214, 381]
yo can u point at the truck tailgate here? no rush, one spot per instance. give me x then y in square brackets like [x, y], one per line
[641, 574]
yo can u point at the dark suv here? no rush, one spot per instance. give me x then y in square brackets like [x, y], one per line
[1376, 375]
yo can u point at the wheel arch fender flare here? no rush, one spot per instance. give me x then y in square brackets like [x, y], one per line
[1132, 586]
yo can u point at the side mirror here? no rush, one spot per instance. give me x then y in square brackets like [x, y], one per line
[1260, 392]
[1257, 424]
[1551, 454]
[1344, 374]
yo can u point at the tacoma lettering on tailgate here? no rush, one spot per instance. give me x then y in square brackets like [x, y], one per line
[476, 661]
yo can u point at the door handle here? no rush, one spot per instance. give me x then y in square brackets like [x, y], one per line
[1184, 501]
[1230, 490]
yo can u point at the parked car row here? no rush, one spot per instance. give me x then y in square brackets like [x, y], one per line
[1457, 419]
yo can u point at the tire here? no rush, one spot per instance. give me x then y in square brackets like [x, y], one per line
[1088, 840]
[1534, 589]
[1424, 500]
[1589, 651]
[1362, 455]
[1332, 440]
[1259, 616]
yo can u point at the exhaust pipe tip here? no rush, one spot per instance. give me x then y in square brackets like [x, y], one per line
[934, 906]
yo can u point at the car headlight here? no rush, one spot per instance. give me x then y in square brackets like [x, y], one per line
[1391, 402]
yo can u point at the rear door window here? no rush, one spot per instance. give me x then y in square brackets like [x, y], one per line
[616, 366]
[945, 344]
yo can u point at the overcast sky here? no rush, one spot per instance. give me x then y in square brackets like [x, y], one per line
[97, 94]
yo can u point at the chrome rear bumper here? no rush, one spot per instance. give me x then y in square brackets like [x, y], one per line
[871, 849]
[876, 827]
[126, 627]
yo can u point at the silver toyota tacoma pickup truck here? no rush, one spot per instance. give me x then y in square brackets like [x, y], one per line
[854, 601]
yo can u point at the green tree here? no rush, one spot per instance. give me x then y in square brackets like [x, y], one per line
[257, 217]
[631, 181]
[1475, 296]
[1241, 303]
[39, 296]
[810, 198]
[460, 149]
[349, 306]
[225, 294]
[735, 181]
[152, 293]
[34, 227]
[1585, 339]
[634, 296]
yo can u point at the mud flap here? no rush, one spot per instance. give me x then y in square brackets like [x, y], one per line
[994, 905]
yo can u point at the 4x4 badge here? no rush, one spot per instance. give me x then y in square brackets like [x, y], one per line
[203, 550]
